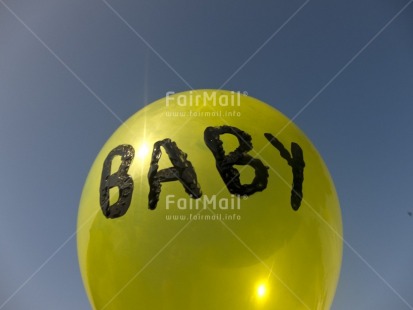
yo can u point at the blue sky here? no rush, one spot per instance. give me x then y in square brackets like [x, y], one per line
[72, 71]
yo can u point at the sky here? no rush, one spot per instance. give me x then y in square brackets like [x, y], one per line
[72, 71]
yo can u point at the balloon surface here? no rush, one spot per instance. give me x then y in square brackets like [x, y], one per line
[209, 199]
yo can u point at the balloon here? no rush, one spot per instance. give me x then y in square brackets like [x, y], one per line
[209, 199]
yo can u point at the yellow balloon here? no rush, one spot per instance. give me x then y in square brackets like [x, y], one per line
[209, 199]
